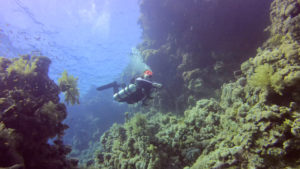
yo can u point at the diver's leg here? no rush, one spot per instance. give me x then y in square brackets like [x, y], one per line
[107, 86]
[115, 87]
[123, 85]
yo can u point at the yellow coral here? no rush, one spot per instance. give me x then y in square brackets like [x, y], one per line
[276, 39]
[264, 78]
[51, 112]
[24, 66]
[68, 85]
[137, 124]
[261, 77]
[151, 148]
[276, 82]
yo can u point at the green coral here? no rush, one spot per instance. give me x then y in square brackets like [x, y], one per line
[25, 65]
[68, 85]
[137, 124]
[238, 130]
[52, 112]
[276, 39]
[295, 127]
[265, 78]
[261, 77]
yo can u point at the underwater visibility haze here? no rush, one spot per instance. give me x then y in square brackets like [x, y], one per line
[90, 39]
[149, 84]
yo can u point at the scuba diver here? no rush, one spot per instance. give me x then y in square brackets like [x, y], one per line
[140, 89]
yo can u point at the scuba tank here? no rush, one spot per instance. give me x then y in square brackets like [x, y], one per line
[125, 92]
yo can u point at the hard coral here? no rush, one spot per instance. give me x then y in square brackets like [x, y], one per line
[30, 114]
[9, 141]
[23, 65]
[262, 76]
[181, 36]
[241, 129]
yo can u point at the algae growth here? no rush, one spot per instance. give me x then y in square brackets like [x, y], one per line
[206, 116]
[30, 115]
[68, 85]
[251, 122]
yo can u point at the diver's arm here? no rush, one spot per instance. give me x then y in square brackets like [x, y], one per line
[156, 85]
[140, 80]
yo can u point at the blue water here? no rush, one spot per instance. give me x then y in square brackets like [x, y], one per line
[91, 39]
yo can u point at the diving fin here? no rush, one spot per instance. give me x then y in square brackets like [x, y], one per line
[109, 85]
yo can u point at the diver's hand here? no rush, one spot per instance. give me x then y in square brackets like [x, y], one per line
[157, 85]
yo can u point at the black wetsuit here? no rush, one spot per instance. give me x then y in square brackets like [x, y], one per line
[144, 88]
[139, 89]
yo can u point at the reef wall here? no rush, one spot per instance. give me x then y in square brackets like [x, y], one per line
[30, 115]
[194, 46]
[95, 114]
[254, 123]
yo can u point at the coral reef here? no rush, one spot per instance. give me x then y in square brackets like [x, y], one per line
[23, 65]
[254, 123]
[30, 115]
[95, 114]
[209, 37]
[68, 85]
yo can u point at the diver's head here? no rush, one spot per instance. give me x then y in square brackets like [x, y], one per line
[147, 74]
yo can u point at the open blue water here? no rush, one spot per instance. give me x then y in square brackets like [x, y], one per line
[91, 39]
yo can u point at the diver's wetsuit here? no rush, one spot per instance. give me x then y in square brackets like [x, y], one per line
[144, 88]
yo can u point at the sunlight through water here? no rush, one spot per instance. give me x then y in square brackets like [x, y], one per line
[90, 39]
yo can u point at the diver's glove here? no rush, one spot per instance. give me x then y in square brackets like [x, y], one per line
[157, 85]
